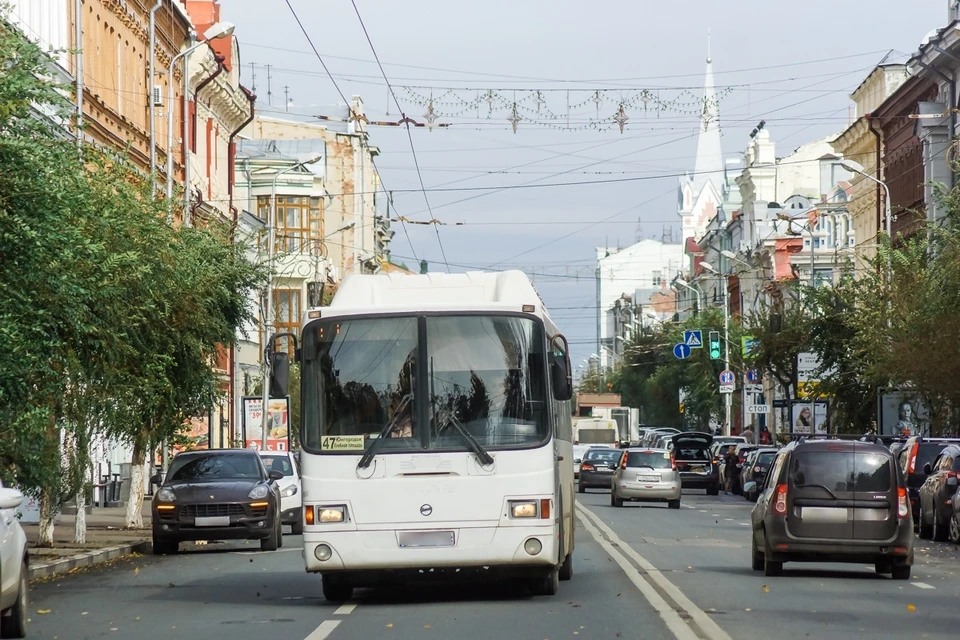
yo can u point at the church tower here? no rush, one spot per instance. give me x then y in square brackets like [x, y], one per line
[701, 194]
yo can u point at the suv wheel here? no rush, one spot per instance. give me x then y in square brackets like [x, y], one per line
[954, 529]
[901, 572]
[714, 490]
[14, 625]
[925, 531]
[939, 531]
[165, 547]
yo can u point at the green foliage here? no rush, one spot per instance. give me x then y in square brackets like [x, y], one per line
[110, 318]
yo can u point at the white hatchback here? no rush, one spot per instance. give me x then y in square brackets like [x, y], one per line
[14, 580]
[291, 491]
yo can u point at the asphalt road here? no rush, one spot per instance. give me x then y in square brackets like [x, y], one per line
[640, 571]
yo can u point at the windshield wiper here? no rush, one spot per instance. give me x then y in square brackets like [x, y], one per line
[819, 486]
[372, 449]
[449, 418]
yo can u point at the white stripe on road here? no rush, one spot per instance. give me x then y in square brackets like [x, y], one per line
[678, 626]
[744, 524]
[345, 610]
[689, 506]
[923, 585]
[729, 519]
[324, 630]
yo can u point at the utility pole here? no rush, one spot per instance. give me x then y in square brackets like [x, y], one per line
[269, 87]
[728, 397]
[253, 77]
[286, 97]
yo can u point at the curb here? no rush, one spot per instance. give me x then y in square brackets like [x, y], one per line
[42, 570]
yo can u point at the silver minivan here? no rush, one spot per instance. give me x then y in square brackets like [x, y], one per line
[646, 475]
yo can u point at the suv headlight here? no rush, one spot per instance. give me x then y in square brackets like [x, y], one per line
[289, 491]
[166, 495]
[258, 492]
[523, 508]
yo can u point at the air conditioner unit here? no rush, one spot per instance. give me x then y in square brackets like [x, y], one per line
[157, 95]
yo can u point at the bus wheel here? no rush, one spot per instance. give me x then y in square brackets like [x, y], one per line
[546, 586]
[335, 588]
[566, 569]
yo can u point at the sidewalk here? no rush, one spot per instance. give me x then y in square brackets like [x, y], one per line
[106, 540]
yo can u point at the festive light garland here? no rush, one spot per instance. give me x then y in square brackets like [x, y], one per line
[531, 106]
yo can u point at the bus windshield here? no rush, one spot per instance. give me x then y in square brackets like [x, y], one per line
[423, 383]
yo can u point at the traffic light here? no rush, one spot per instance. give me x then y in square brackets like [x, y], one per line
[714, 345]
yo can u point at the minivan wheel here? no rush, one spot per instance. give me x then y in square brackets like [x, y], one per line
[901, 572]
[674, 504]
[755, 555]
[939, 531]
[714, 490]
[771, 567]
[925, 531]
[883, 567]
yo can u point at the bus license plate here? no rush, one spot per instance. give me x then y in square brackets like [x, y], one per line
[222, 521]
[648, 478]
[425, 539]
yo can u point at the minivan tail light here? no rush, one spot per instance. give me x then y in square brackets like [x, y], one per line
[780, 504]
[903, 506]
[912, 464]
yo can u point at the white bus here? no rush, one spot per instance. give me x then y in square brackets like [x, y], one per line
[436, 432]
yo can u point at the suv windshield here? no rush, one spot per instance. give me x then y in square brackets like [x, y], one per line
[424, 383]
[842, 471]
[653, 459]
[213, 466]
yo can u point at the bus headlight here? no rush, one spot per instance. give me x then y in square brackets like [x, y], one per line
[532, 546]
[523, 508]
[323, 552]
[331, 514]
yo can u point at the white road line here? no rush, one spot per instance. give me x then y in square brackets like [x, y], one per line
[729, 519]
[923, 585]
[744, 524]
[688, 506]
[715, 515]
[709, 627]
[703, 510]
[324, 630]
[345, 610]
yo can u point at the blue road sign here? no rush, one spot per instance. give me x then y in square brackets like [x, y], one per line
[693, 339]
[753, 376]
[681, 351]
[727, 377]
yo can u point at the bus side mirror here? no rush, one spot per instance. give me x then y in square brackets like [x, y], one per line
[279, 374]
[560, 373]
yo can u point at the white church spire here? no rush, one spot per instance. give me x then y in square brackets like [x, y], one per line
[709, 162]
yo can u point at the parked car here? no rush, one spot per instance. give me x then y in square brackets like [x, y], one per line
[936, 494]
[291, 491]
[597, 468]
[655, 434]
[833, 501]
[218, 494]
[953, 527]
[916, 453]
[691, 451]
[646, 475]
[755, 468]
[14, 561]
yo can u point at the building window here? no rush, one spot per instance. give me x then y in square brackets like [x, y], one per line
[299, 220]
[287, 313]
[657, 278]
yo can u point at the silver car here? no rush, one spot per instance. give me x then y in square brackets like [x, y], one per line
[646, 475]
[13, 567]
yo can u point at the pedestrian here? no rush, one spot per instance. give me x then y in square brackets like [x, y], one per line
[731, 472]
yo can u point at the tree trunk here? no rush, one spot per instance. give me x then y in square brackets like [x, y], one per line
[134, 519]
[47, 515]
[80, 528]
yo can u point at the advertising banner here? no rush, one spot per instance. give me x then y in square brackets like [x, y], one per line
[278, 423]
[803, 422]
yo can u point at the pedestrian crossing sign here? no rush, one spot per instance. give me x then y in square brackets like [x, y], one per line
[693, 339]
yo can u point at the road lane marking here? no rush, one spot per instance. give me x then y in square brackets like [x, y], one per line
[923, 585]
[689, 506]
[707, 625]
[670, 617]
[345, 610]
[703, 510]
[744, 524]
[715, 515]
[729, 519]
[324, 630]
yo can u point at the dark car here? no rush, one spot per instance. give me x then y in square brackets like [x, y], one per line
[833, 501]
[220, 494]
[755, 468]
[691, 451]
[917, 451]
[936, 494]
[596, 470]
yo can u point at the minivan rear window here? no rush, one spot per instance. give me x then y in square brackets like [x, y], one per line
[654, 459]
[842, 471]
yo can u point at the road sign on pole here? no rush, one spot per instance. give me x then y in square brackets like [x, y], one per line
[681, 351]
[753, 376]
[693, 339]
[727, 381]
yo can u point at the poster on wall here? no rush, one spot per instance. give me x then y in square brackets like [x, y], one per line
[801, 420]
[903, 414]
[278, 423]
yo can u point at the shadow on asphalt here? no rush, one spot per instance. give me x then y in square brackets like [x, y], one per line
[795, 571]
[445, 591]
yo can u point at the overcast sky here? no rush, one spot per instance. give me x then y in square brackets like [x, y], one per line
[791, 64]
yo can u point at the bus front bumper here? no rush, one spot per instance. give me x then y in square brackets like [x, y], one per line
[473, 547]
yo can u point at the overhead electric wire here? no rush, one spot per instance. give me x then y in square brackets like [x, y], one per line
[413, 149]
[346, 102]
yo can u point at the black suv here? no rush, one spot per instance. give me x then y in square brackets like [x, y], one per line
[914, 456]
[833, 501]
[691, 451]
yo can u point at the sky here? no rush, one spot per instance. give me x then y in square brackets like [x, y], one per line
[790, 64]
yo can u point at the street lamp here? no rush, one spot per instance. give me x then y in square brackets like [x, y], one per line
[268, 319]
[728, 397]
[683, 283]
[855, 167]
[215, 32]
